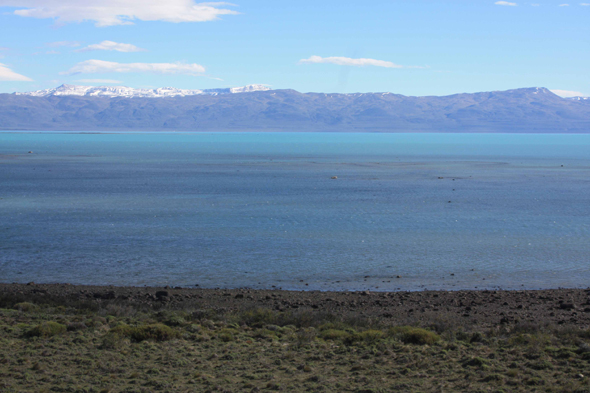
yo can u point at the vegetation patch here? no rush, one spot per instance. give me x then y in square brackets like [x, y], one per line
[26, 307]
[116, 347]
[155, 332]
[415, 335]
[334, 334]
[47, 329]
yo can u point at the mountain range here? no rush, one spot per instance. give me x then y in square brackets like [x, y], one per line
[129, 92]
[258, 108]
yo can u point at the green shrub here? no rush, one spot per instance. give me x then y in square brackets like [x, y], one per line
[171, 318]
[493, 378]
[337, 326]
[414, 335]
[334, 334]
[264, 333]
[540, 365]
[155, 332]
[26, 307]
[535, 382]
[477, 337]
[175, 320]
[113, 341]
[564, 353]
[258, 317]
[226, 335]
[369, 336]
[193, 328]
[463, 336]
[476, 362]
[538, 340]
[306, 336]
[47, 329]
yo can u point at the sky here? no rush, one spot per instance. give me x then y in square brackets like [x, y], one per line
[410, 47]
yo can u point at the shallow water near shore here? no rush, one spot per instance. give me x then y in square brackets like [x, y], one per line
[442, 211]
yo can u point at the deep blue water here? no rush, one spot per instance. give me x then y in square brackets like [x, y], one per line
[262, 210]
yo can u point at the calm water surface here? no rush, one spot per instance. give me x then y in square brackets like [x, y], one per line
[443, 211]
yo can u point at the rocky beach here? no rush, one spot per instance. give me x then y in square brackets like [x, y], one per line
[483, 309]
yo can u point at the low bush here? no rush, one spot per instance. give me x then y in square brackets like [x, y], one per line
[194, 328]
[258, 317]
[540, 365]
[226, 335]
[155, 332]
[47, 329]
[493, 378]
[264, 333]
[26, 307]
[113, 341]
[370, 336]
[476, 362]
[261, 317]
[334, 334]
[414, 335]
[73, 326]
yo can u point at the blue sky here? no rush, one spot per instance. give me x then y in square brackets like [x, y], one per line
[406, 47]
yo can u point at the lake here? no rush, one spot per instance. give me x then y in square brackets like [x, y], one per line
[301, 211]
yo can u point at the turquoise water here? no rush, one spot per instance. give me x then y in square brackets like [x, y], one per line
[442, 211]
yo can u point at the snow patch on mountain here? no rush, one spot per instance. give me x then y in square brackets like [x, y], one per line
[129, 92]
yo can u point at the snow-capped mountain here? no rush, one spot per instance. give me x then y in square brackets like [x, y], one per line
[579, 98]
[122, 91]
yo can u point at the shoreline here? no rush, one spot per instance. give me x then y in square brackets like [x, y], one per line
[469, 308]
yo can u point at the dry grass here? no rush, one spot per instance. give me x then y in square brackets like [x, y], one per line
[77, 347]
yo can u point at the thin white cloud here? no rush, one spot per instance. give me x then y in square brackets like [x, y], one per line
[120, 12]
[585, 4]
[506, 3]
[52, 52]
[72, 44]
[3, 48]
[535, 5]
[100, 66]
[564, 5]
[7, 75]
[347, 61]
[567, 93]
[105, 81]
[111, 45]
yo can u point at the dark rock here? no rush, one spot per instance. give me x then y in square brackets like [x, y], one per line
[105, 296]
[567, 306]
